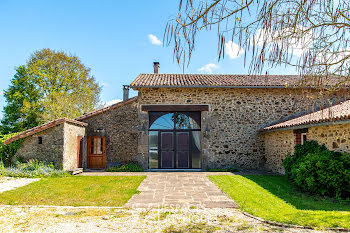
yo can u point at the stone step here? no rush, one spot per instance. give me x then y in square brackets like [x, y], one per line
[76, 171]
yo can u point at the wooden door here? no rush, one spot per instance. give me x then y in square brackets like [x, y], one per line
[80, 151]
[96, 152]
[183, 149]
[167, 149]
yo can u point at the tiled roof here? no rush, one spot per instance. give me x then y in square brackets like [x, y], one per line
[213, 80]
[40, 128]
[102, 110]
[337, 112]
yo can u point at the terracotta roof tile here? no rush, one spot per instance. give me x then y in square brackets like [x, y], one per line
[225, 80]
[337, 112]
[213, 80]
[42, 127]
[102, 110]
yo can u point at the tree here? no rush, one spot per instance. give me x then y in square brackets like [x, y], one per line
[311, 35]
[23, 109]
[52, 85]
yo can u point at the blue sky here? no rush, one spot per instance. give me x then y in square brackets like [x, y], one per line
[111, 37]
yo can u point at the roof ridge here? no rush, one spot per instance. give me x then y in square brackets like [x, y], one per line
[42, 127]
[344, 114]
[104, 109]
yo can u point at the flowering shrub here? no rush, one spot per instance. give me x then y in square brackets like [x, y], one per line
[32, 168]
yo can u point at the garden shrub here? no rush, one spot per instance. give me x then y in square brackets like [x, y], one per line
[31, 169]
[130, 167]
[315, 169]
[7, 152]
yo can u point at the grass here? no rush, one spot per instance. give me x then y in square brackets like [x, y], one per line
[75, 191]
[222, 170]
[200, 227]
[273, 198]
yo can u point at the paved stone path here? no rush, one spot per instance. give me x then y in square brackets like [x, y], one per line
[179, 189]
[9, 183]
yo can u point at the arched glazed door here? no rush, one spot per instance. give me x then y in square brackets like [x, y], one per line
[174, 140]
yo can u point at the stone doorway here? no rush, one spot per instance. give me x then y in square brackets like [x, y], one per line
[174, 140]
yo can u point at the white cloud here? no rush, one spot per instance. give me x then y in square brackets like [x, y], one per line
[208, 68]
[154, 40]
[1, 92]
[233, 50]
[111, 102]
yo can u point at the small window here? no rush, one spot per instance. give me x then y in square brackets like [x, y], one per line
[96, 146]
[40, 140]
[300, 136]
[303, 138]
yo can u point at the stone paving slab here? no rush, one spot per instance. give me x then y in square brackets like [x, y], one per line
[172, 189]
[9, 183]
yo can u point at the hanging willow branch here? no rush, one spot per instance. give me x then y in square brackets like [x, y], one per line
[311, 35]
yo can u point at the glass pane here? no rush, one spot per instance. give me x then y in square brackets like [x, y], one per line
[196, 149]
[153, 159]
[185, 122]
[96, 146]
[153, 140]
[153, 149]
[164, 122]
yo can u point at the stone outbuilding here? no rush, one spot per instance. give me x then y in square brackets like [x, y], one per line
[59, 141]
[330, 126]
[182, 121]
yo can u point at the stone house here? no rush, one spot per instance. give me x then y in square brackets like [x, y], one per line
[185, 121]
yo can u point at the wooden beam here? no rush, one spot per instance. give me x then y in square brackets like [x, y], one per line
[175, 108]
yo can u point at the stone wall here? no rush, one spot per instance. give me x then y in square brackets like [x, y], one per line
[51, 149]
[229, 128]
[277, 145]
[120, 127]
[335, 136]
[70, 155]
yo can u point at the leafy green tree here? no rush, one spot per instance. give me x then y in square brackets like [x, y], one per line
[23, 109]
[52, 85]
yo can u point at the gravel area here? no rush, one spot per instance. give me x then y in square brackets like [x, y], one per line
[83, 219]
[8, 183]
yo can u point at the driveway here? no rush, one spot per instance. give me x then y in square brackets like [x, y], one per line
[179, 189]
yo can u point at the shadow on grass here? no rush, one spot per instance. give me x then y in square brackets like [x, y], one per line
[282, 188]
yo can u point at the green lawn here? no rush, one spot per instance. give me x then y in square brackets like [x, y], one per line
[75, 191]
[273, 198]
